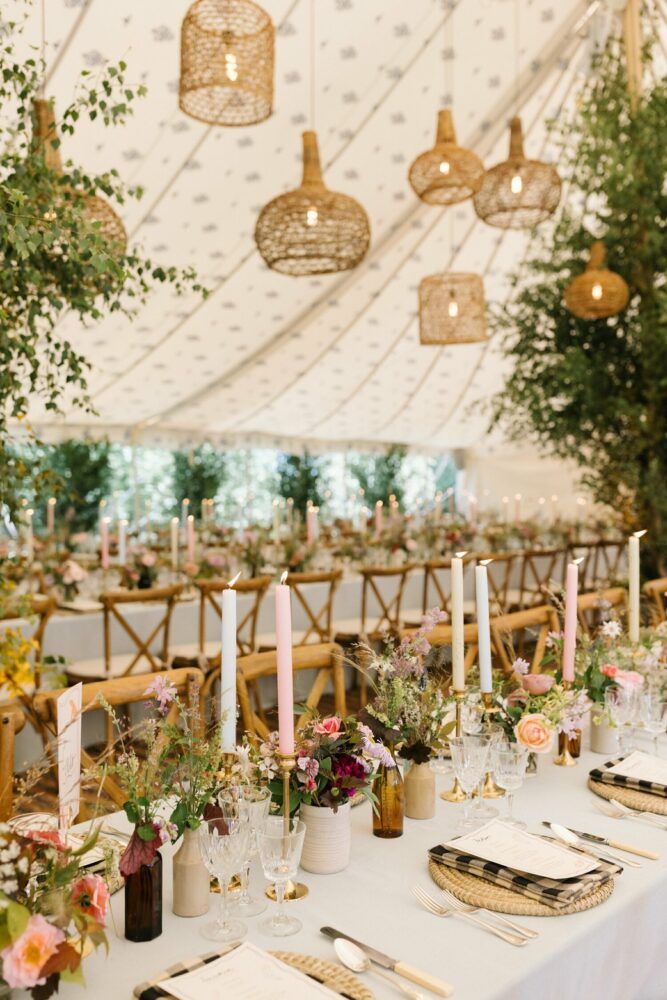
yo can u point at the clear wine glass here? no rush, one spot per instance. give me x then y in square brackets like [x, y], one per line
[280, 842]
[253, 805]
[469, 757]
[653, 715]
[508, 762]
[620, 703]
[224, 847]
[482, 811]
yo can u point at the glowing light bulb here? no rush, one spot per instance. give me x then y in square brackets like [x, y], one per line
[444, 167]
[453, 308]
[516, 184]
[311, 217]
[231, 67]
[596, 291]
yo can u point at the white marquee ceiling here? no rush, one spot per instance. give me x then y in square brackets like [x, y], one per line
[275, 359]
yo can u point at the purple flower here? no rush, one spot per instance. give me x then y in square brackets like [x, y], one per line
[374, 750]
[521, 666]
[163, 691]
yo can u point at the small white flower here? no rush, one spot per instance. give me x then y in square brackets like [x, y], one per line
[611, 629]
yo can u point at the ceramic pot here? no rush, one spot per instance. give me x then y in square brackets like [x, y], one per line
[328, 838]
[419, 785]
[191, 879]
[604, 737]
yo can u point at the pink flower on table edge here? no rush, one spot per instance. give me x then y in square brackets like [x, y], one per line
[49, 837]
[520, 666]
[24, 959]
[628, 679]
[163, 691]
[373, 748]
[609, 669]
[433, 617]
[148, 559]
[537, 684]
[91, 896]
[329, 726]
[517, 697]
[72, 572]
[190, 569]
[534, 732]
[411, 545]
[553, 638]
[611, 629]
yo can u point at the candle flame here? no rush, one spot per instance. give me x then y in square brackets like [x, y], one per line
[578, 562]
[52, 500]
[191, 518]
[174, 520]
[640, 534]
[485, 562]
[461, 555]
[283, 578]
[30, 512]
[233, 582]
[123, 521]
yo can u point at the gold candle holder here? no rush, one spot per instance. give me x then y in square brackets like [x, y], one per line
[564, 758]
[456, 794]
[293, 890]
[490, 789]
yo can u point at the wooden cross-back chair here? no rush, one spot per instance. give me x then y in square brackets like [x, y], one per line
[246, 626]
[144, 658]
[437, 585]
[656, 593]
[118, 693]
[499, 574]
[325, 658]
[592, 609]
[12, 721]
[524, 634]
[607, 564]
[540, 569]
[587, 553]
[381, 613]
[441, 636]
[320, 624]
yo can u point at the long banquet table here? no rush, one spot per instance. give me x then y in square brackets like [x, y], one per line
[615, 951]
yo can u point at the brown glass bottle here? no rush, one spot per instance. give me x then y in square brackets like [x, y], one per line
[573, 743]
[390, 806]
[143, 902]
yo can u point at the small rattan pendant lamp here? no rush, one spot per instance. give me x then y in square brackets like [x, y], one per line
[447, 173]
[597, 293]
[452, 309]
[227, 62]
[312, 230]
[96, 210]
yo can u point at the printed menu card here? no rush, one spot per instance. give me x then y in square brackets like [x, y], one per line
[246, 973]
[69, 754]
[514, 848]
[643, 767]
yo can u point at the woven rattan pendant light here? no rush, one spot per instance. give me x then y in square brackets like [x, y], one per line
[312, 230]
[452, 309]
[448, 173]
[598, 292]
[96, 210]
[227, 58]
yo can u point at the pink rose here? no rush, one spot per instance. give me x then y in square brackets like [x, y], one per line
[537, 683]
[534, 732]
[148, 559]
[329, 726]
[91, 896]
[23, 961]
[629, 679]
[609, 669]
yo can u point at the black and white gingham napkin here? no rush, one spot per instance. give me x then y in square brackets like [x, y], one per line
[557, 893]
[604, 775]
[151, 989]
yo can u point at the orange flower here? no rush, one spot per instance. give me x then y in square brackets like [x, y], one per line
[534, 732]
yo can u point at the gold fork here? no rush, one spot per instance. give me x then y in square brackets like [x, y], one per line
[434, 907]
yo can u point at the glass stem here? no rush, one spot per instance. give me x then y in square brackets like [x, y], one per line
[280, 900]
[245, 879]
[466, 807]
[223, 882]
[510, 804]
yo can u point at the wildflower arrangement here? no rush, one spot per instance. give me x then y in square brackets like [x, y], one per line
[68, 575]
[250, 549]
[296, 555]
[141, 570]
[50, 911]
[336, 759]
[212, 565]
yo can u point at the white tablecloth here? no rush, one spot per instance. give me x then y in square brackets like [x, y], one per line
[613, 952]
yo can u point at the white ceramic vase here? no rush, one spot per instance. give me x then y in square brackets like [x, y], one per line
[604, 737]
[191, 879]
[328, 838]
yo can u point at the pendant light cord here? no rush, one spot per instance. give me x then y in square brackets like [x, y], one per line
[43, 47]
[312, 63]
[517, 56]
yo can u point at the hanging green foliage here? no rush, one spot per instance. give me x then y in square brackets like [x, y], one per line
[302, 478]
[595, 391]
[381, 476]
[198, 474]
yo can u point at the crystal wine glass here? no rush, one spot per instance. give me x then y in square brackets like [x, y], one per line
[469, 757]
[253, 806]
[508, 761]
[280, 842]
[224, 847]
[653, 715]
[482, 811]
[620, 703]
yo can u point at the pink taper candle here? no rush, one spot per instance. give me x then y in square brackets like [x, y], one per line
[284, 660]
[379, 518]
[570, 634]
[104, 542]
[191, 538]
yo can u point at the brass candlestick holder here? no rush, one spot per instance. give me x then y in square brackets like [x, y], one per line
[293, 890]
[456, 794]
[564, 758]
[490, 789]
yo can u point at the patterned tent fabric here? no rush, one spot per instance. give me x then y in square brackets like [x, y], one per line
[332, 359]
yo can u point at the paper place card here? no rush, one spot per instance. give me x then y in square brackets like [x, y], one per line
[514, 848]
[246, 973]
[69, 754]
[643, 767]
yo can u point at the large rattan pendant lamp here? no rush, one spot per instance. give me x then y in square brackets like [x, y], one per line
[96, 210]
[227, 61]
[518, 193]
[597, 293]
[452, 309]
[312, 230]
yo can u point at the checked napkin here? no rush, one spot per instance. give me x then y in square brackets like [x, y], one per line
[604, 775]
[556, 893]
[151, 989]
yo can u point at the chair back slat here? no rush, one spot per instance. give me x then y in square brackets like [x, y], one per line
[524, 634]
[246, 626]
[437, 586]
[609, 560]
[12, 721]
[499, 574]
[381, 612]
[592, 609]
[112, 602]
[325, 658]
[540, 569]
[656, 593]
[320, 622]
[587, 553]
